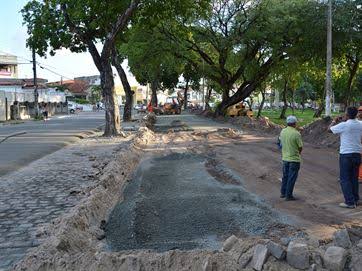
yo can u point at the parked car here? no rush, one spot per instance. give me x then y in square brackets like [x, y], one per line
[140, 108]
[74, 107]
[137, 106]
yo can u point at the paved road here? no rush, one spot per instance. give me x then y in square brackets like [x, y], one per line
[45, 189]
[42, 138]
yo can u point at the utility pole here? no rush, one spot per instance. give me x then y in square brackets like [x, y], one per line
[329, 61]
[35, 83]
[203, 85]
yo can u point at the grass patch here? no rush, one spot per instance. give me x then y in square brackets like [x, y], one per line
[304, 118]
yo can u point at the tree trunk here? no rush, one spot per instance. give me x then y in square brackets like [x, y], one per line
[127, 114]
[319, 111]
[243, 92]
[352, 74]
[154, 101]
[285, 104]
[113, 126]
[225, 95]
[207, 98]
[261, 104]
[185, 94]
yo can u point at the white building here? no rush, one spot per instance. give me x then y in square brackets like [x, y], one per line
[17, 99]
[8, 66]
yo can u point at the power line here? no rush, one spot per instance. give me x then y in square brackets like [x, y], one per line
[41, 65]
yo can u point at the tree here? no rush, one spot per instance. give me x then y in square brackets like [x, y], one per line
[240, 42]
[304, 93]
[117, 60]
[95, 94]
[347, 35]
[192, 77]
[150, 61]
[80, 26]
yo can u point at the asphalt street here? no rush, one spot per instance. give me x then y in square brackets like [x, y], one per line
[43, 138]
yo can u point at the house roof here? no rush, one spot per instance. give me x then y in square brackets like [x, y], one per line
[74, 86]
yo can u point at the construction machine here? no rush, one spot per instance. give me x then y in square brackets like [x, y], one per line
[239, 109]
[173, 104]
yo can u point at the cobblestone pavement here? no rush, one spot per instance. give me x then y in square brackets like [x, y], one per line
[45, 189]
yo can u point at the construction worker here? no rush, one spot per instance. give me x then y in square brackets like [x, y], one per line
[350, 132]
[292, 145]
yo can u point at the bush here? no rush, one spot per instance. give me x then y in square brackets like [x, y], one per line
[81, 101]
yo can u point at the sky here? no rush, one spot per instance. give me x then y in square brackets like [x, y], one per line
[13, 37]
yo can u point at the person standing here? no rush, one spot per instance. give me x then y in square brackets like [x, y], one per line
[292, 145]
[350, 132]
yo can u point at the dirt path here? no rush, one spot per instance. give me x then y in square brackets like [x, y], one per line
[175, 202]
[256, 159]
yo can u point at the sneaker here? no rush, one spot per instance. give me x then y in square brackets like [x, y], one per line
[282, 196]
[344, 205]
[290, 198]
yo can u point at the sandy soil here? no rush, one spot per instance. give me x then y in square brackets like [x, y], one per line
[232, 157]
[256, 159]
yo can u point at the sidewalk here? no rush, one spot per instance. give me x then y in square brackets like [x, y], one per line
[45, 189]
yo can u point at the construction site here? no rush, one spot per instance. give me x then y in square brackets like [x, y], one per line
[208, 135]
[186, 192]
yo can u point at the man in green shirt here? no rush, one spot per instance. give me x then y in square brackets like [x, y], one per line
[292, 144]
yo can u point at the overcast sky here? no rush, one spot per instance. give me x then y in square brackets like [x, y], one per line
[13, 41]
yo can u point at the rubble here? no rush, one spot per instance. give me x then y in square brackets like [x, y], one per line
[149, 120]
[261, 254]
[360, 244]
[276, 250]
[335, 258]
[298, 255]
[341, 239]
[228, 244]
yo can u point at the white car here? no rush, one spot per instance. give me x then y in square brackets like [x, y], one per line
[73, 107]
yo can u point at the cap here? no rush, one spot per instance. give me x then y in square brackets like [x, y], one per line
[291, 119]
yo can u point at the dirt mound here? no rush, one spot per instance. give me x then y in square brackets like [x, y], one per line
[316, 133]
[149, 120]
[260, 124]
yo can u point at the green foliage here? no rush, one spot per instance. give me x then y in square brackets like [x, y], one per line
[149, 59]
[81, 101]
[95, 95]
[49, 31]
[304, 117]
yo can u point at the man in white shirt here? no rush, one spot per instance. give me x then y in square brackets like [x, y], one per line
[350, 132]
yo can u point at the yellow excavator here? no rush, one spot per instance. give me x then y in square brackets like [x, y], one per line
[239, 110]
[173, 104]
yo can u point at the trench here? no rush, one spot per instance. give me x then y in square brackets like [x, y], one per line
[173, 202]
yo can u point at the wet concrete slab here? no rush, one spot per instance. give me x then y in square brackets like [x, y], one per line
[174, 203]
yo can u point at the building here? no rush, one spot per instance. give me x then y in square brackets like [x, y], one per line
[73, 88]
[17, 99]
[92, 80]
[8, 66]
[139, 96]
